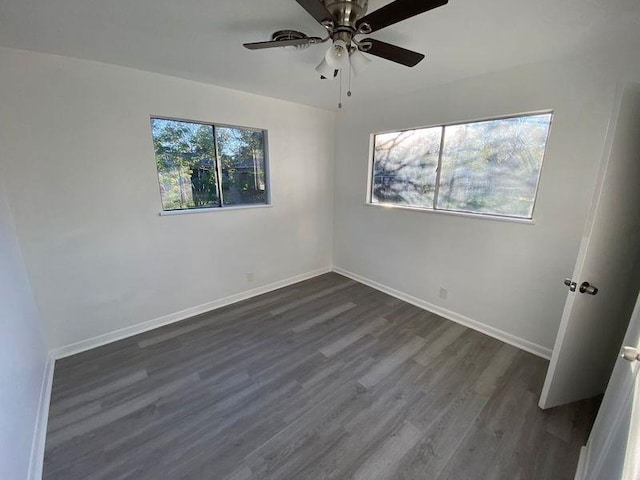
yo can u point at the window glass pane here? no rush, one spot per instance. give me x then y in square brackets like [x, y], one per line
[493, 167]
[185, 157]
[241, 154]
[404, 167]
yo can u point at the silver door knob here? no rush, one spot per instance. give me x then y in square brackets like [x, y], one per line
[571, 284]
[586, 287]
[630, 354]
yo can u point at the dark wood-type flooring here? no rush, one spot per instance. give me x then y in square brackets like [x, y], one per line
[325, 379]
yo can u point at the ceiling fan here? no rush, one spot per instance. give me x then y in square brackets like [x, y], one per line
[346, 19]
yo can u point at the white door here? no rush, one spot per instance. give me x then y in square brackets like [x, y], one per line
[592, 326]
[613, 450]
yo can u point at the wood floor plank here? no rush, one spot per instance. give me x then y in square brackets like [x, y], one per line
[391, 362]
[383, 462]
[114, 414]
[325, 379]
[334, 312]
[350, 338]
[96, 393]
[309, 298]
[242, 473]
[440, 343]
[76, 415]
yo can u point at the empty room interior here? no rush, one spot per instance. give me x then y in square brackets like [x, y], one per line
[320, 239]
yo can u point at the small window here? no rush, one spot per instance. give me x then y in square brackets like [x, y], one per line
[209, 166]
[490, 167]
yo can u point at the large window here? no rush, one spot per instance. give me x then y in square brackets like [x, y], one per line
[489, 167]
[207, 166]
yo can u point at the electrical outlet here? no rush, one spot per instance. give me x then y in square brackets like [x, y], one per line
[443, 293]
[250, 277]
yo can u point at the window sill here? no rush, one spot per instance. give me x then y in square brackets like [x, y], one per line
[169, 213]
[478, 216]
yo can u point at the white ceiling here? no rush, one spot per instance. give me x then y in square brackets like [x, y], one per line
[202, 40]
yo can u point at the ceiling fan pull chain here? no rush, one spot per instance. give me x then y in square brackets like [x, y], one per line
[340, 99]
[349, 91]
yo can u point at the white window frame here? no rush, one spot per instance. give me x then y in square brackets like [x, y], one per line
[459, 213]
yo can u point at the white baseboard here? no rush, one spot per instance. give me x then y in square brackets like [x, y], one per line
[126, 332]
[40, 432]
[501, 335]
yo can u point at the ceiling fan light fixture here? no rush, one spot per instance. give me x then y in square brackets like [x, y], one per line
[358, 62]
[325, 69]
[337, 56]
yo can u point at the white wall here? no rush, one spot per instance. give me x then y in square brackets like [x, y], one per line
[82, 183]
[504, 275]
[23, 354]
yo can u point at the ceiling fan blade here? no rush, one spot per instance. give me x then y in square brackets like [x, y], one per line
[282, 43]
[391, 52]
[396, 12]
[317, 10]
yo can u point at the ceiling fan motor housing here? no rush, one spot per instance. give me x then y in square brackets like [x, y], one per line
[347, 12]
